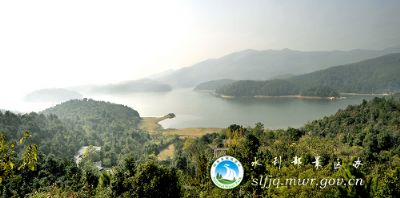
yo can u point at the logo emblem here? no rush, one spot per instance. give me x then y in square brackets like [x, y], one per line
[227, 172]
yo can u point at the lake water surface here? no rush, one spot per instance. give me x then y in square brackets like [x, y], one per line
[199, 109]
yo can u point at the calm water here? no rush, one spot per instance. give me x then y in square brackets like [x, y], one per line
[197, 109]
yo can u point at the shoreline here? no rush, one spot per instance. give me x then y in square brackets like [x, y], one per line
[300, 97]
[342, 96]
[365, 94]
[288, 96]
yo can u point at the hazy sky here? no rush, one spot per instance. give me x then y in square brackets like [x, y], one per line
[46, 44]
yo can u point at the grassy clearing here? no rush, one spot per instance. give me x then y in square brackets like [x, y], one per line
[167, 152]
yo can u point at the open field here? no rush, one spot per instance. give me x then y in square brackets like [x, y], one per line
[190, 132]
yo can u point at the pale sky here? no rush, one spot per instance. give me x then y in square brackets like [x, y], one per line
[46, 44]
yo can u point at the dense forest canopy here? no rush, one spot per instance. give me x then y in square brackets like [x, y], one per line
[369, 131]
[213, 85]
[321, 91]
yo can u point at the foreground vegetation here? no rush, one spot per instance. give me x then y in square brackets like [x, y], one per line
[369, 131]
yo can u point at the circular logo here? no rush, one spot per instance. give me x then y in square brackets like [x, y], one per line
[227, 172]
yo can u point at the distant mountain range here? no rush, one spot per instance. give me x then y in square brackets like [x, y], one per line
[377, 75]
[58, 95]
[265, 65]
[52, 95]
[142, 85]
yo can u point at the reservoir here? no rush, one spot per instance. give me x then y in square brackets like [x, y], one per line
[200, 109]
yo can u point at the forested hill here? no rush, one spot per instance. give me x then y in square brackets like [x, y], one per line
[376, 122]
[378, 75]
[95, 111]
[62, 130]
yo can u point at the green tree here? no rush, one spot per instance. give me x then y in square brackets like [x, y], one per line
[152, 180]
[9, 162]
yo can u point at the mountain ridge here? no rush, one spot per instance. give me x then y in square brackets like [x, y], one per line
[265, 64]
[376, 75]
